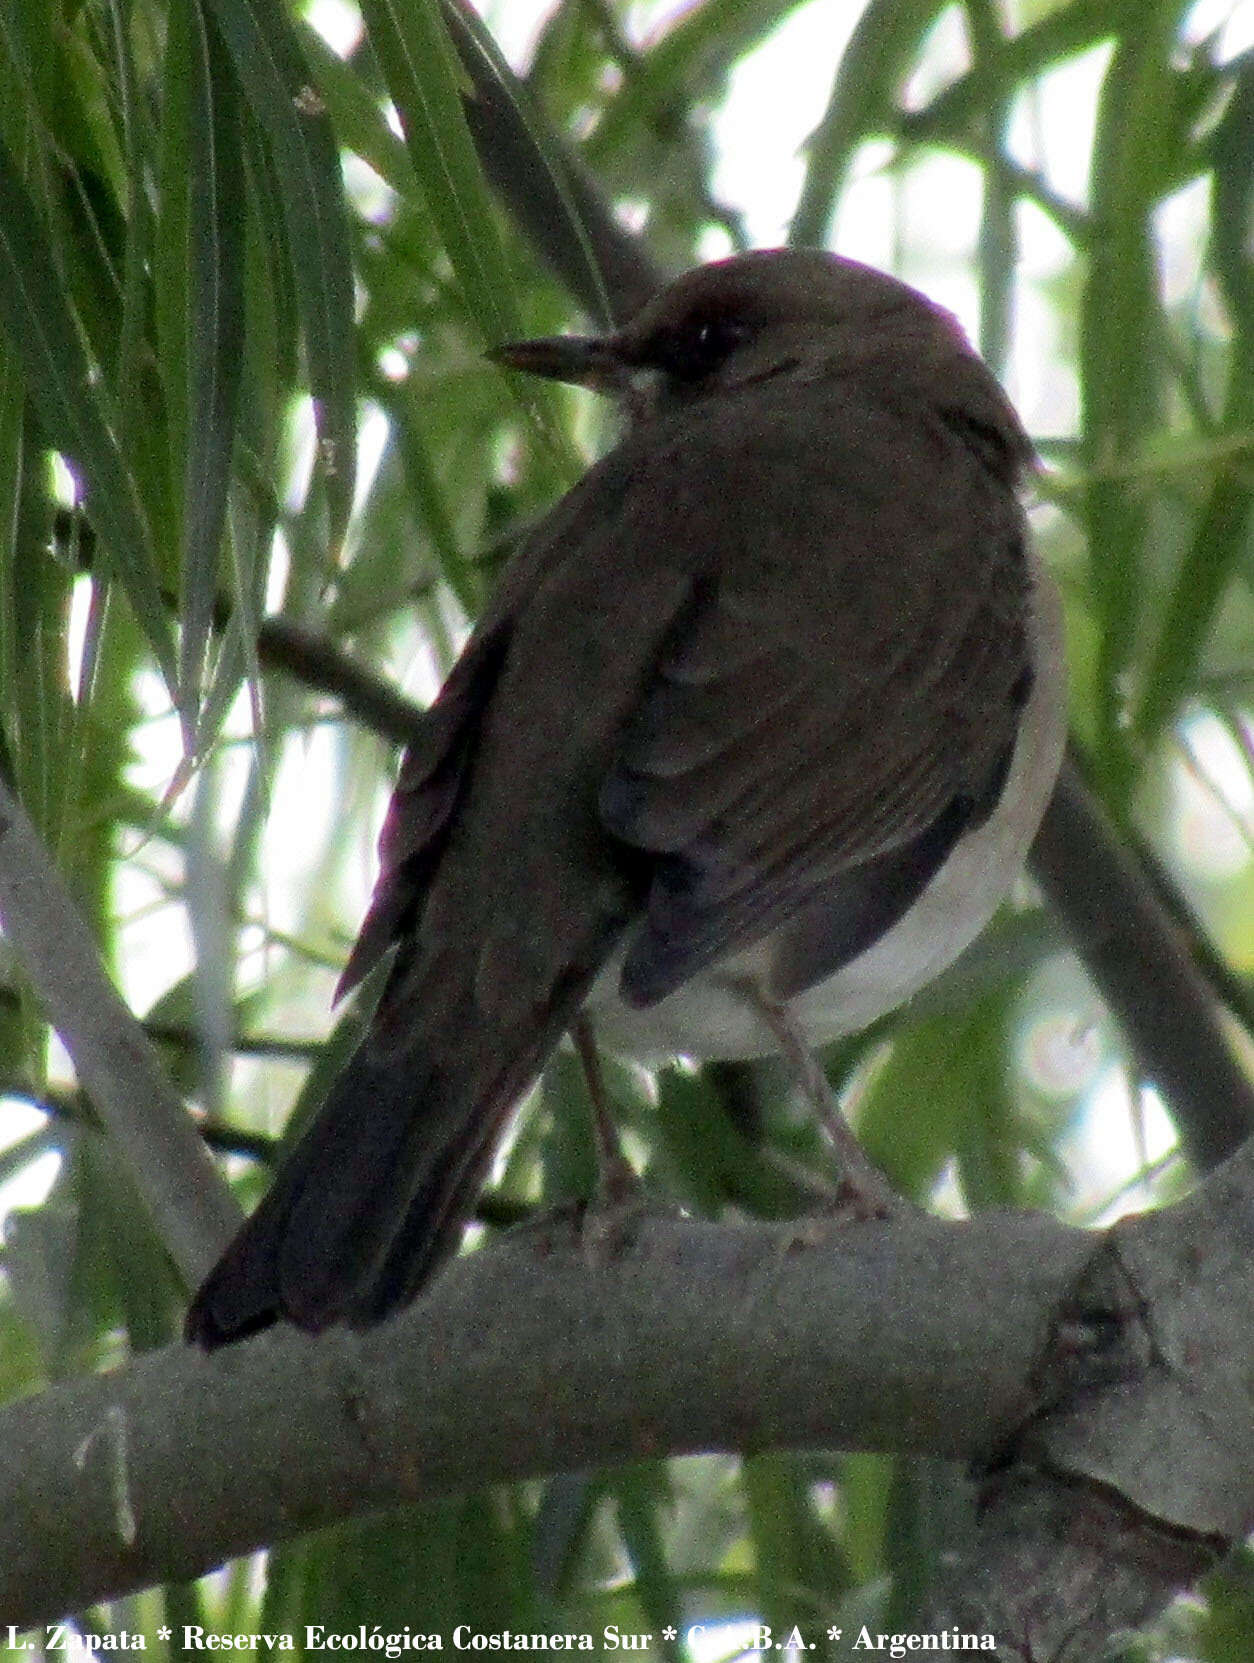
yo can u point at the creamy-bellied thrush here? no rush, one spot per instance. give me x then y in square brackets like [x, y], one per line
[764, 713]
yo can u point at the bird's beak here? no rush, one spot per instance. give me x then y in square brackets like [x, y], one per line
[586, 360]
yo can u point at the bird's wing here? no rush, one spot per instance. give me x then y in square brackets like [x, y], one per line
[494, 809]
[839, 702]
[425, 798]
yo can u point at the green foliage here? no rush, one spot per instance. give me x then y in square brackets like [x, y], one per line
[220, 269]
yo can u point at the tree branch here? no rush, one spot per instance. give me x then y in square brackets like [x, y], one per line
[530, 1357]
[1106, 1363]
[1137, 1470]
[192, 1209]
[1134, 952]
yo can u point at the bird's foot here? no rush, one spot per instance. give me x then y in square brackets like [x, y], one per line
[866, 1199]
[618, 1184]
[866, 1195]
[611, 1220]
[601, 1227]
[552, 1228]
[862, 1196]
[862, 1193]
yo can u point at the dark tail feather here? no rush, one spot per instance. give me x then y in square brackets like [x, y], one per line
[371, 1200]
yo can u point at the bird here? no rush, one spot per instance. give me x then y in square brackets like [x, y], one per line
[757, 728]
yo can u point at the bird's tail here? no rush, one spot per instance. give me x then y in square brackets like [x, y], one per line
[375, 1194]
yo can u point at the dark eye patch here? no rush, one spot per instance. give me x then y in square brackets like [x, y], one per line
[695, 348]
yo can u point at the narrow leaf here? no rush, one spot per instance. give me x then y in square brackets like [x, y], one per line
[425, 82]
[1119, 387]
[359, 121]
[1220, 538]
[70, 400]
[504, 105]
[1036, 49]
[276, 82]
[215, 288]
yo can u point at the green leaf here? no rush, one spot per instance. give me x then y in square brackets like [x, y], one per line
[1119, 386]
[72, 404]
[1040, 47]
[427, 492]
[944, 1091]
[554, 189]
[277, 84]
[425, 81]
[997, 251]
[642, 1494]
[12, 409]
[216, 219]
[1219, 541]
[800, 1569]
[359, 121]
[703, 43]
[456, 1561]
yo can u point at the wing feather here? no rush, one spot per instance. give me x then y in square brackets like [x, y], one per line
[833, 710]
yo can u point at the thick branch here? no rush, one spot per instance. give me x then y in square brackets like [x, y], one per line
[1137, 1469]
[533, 1356]
[1105, 1366]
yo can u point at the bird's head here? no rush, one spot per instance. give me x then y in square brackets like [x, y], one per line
[746, 319]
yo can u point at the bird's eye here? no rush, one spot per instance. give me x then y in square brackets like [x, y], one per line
[697, 348]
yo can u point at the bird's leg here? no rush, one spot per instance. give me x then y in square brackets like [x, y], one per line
[616, 1178]
[609, 1221]
[864, 1192]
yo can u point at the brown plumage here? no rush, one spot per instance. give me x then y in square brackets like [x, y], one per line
[775, 680]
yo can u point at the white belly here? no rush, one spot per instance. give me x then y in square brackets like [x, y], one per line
[705, 1018]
